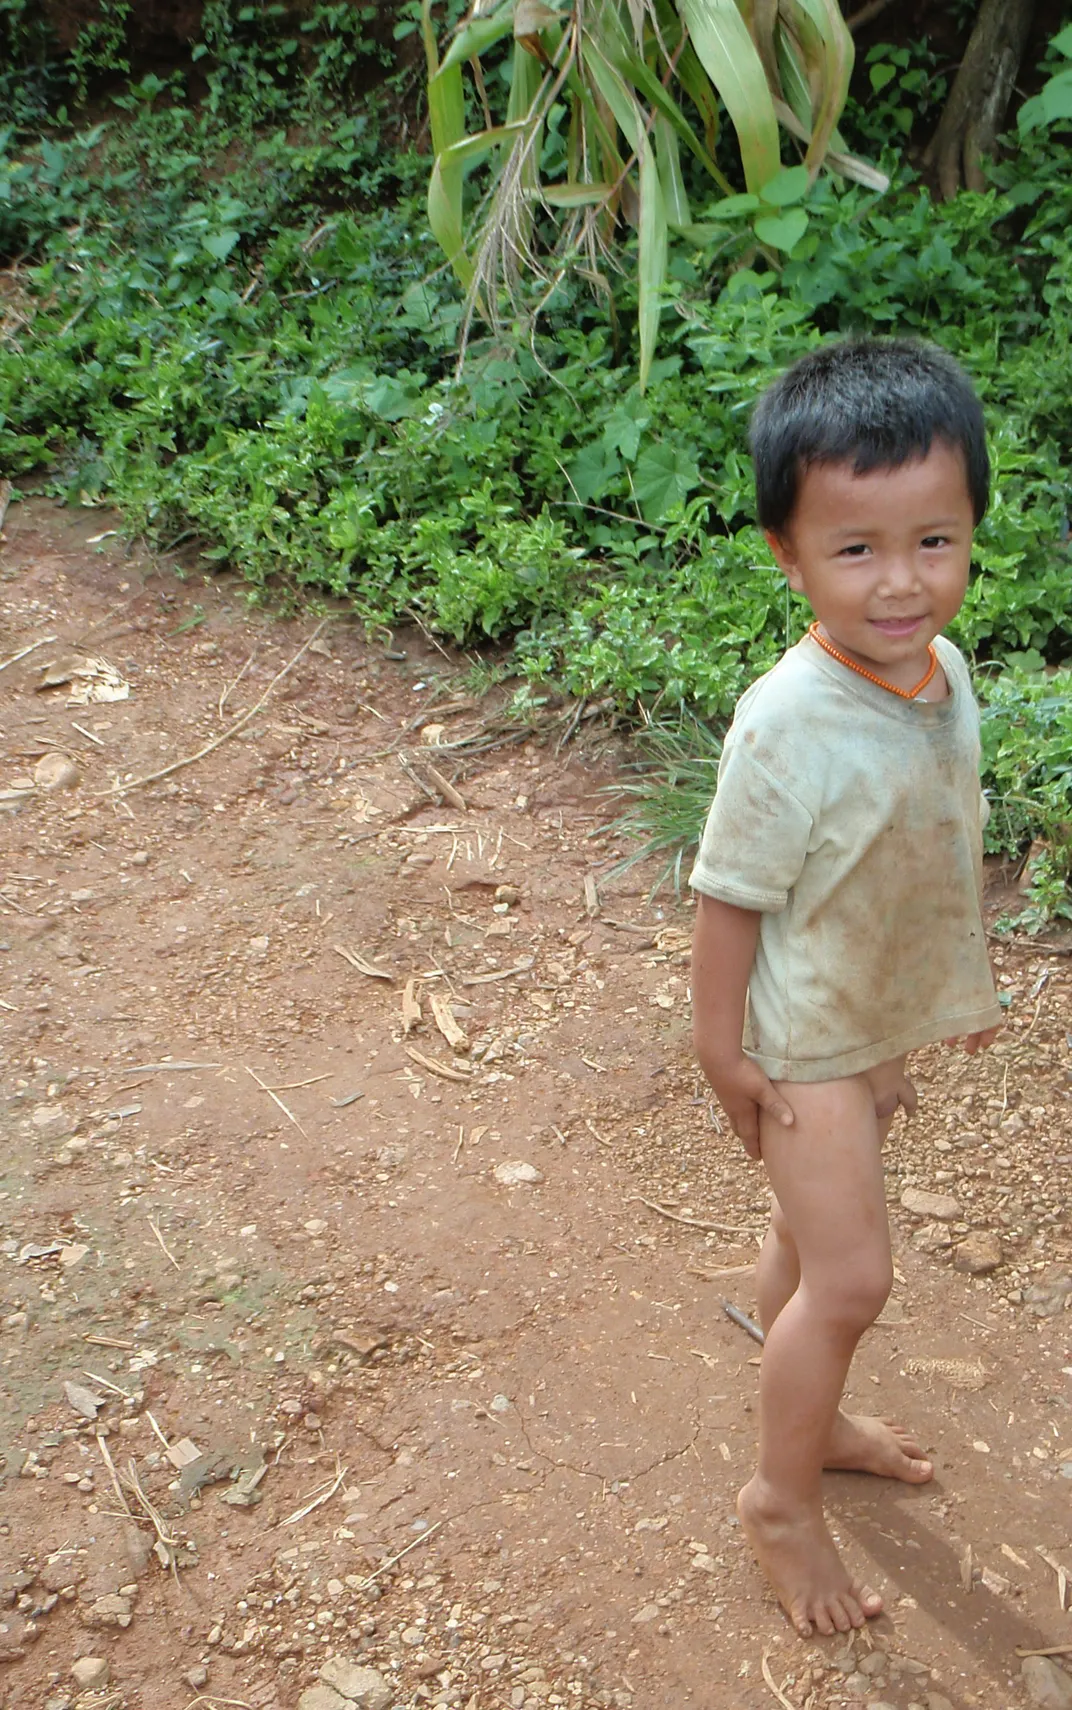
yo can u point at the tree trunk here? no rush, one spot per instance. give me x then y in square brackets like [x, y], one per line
[975, 109]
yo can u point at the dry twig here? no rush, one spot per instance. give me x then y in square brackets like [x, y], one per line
[391, 1560]
[232, 730]
[15, 657]
[786, 1703]
[690, 1222]
[318, 1498]
[287, 1112]
[163, 1246]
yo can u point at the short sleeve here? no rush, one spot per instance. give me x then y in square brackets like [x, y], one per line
[756, 837]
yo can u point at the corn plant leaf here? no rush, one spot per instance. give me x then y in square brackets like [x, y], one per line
[479, 34]
[825, 44]
[728, 54]
[575, 195]
[651, 220]
[474, 148]
[675, 196]
[532, 16]
[446, 114]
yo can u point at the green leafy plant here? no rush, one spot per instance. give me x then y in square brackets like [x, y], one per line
[628, 86]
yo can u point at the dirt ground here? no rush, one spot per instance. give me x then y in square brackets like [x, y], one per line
[479, 1436]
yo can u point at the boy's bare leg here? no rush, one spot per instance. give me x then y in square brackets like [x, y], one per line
[826, 1172]
[858, 1442]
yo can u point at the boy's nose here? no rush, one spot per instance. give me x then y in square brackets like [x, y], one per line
[899, 574]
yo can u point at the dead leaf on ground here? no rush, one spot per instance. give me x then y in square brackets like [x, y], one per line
[454, 1035]
[443, 1070]
[362, 964]
[411, 1008]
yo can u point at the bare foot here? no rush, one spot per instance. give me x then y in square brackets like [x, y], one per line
[862, 1444]
[797, 1554]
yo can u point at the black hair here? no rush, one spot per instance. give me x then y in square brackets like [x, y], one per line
[874, 403]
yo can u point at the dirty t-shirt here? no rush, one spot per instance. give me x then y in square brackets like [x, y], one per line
[852, 820]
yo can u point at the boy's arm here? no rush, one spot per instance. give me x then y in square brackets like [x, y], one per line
[723, 951]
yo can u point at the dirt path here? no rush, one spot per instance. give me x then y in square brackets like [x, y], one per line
[521, 1407]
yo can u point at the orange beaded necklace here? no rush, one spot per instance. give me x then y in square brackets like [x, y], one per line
[905, 694]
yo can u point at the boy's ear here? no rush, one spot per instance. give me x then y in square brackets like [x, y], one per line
[785, 558]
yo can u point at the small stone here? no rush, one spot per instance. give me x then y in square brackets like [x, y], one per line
[516, 1174]
[140, 858]
[857, 1684]
[56, 771]
[1046, 1685]
[1046, 1298]
[508, 894]
[938, 1701]
[90, 1672]
[873, 1663]
[363, 1686]
[649, 1612]
[110, 1611]
[321, 1698]
[978, 1254]
[932, 1238]
[413, 1636]
[315, 1226]
[922, 1204]
[196, 1676]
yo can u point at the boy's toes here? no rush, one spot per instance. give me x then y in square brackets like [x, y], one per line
[870, 1603]
[799, 1617]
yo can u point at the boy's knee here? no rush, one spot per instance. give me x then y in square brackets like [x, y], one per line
[863, 1289]
[886, 1104]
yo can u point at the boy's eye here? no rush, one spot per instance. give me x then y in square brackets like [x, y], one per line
[857, 550]
[931, 541]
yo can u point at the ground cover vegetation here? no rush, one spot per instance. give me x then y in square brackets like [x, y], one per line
[224, 311]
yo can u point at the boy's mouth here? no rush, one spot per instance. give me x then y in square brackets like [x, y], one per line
[897, 628]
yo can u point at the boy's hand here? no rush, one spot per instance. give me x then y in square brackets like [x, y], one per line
[974, 1042]
[743, 1090]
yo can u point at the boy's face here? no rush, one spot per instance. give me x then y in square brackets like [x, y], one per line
[882, 558]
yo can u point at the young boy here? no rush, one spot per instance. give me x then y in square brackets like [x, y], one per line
[839, 881]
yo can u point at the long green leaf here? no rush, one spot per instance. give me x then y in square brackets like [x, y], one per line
[728, 54]
[651, 223]
[446, 113]
[825, 44]
[474, 148]
[675, 195]
[480, 34]
[575, 195]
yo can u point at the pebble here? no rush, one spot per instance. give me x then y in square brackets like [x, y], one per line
[196, 1676]
[56, 771]
[938, 1701]
[516, 1174]
[857, 1684]
[935, 1205]
[932, 1238]
[873, 1663]
[140, 858]
[1046, 1685]
[90, 1672]
[355, 1683]
[110, 1611]
[321, 1698]
[978, 1254]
